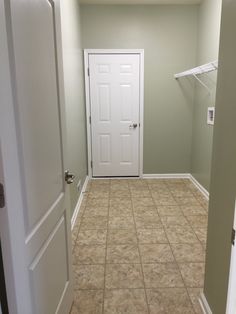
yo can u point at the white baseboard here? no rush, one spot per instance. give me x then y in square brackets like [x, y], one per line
[200, 187]
[77, 207]
[204, 304]
[167, 176]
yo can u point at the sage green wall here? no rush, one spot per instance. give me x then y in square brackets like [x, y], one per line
[207, 51]
[168, 35]
[74, 95]
[223, 178]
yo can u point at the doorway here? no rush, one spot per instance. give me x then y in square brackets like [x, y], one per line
[114, 104]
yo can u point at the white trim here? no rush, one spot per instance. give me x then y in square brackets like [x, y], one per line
[167, 176]
[87, 99]
[77, 207]
[204, 304]
[200, 187]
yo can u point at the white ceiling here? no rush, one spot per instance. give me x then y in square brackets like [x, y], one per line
[141, 1]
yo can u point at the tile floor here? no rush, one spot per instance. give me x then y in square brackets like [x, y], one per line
[139, 247]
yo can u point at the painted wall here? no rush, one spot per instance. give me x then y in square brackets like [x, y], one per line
[207, 51]
[168, 35]
[223, 178]
[74, 95]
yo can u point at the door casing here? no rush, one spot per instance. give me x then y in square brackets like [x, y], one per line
[87, 52]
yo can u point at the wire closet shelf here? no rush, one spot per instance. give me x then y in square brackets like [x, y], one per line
[205, 68]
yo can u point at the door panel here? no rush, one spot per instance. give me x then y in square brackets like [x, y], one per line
[35, 45]
[35, 59]
[115, 107]
[48, 286]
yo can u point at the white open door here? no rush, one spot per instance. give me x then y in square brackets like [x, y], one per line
[231, 300]
[114, 83]
[35, 221]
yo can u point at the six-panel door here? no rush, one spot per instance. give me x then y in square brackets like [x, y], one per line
[115, 107]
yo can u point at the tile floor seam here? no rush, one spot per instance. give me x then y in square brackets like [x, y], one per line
[105, 266]
[190, 225]
[144, 284]
[183, 279]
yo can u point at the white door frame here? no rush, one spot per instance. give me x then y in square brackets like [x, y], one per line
[140, 52]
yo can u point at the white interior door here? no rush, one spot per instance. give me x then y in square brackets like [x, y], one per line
[115, 113]
[231, 300]
[35, 224]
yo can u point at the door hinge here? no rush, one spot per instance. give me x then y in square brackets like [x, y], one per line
[233, 236]
[91, 164]
[90, 120]
[2, 196]
[88, 72]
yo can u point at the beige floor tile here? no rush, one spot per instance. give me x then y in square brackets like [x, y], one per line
[123, 276]
[194, 294]
[165, 201]
[89, 277]
[162, 275]
[98, 194]
[189, 210]
[114, 202]
[199, 221]
[89, 254]
[125, 301]
[201, 234]
[169, 221]
[180, 234]
[156, 253]
[193, 274]
[91, 211]
[144, 210]
[123, 253]
[98, 222]
[142, 201]
[119, 187]
[123, 182]
[137, 210]
[91, 237]
[169, 210]
[88, 302]
[137, 183]
[147, 222]
[99, 188]
[169, 300]
[161, 193]
[188, 252]
[182, 192]
[122, 236]
[158, 186]
[121, 222]
[151, 236]
[120, 194]
[73, 240]
[187, 201]
[99, 202]
[121, 210]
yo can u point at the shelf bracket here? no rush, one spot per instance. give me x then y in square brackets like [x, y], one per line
[201, 82]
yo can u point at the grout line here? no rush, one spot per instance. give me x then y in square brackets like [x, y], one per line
[141, 264]
[105, 265]
[186, 287]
